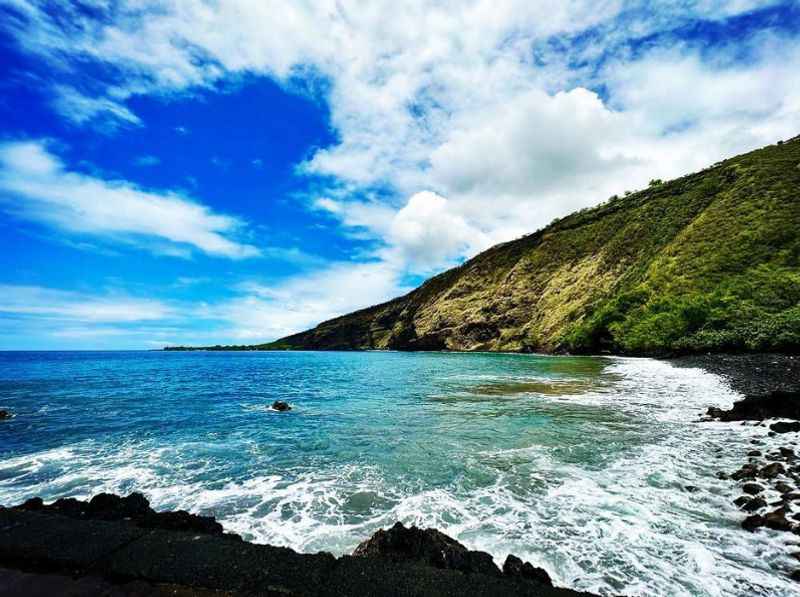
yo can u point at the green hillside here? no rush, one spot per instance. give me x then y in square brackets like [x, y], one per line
[707, 262]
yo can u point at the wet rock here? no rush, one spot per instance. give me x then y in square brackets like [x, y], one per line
[777, 521]
[791, 497]
[425, 546]
[752, 488]
[181, 521]
[795, 575]
[782, 487]
[32, 504]
[754, 453]
[750, 504]
[752, 522]
[756, 442]
[281, 406]
[748, 471]
[784, 427]
[788, 454]
[776, 404]
[515, 567]
[4, 414]
[722, 475]
[691, 488]
[107, 506]
[771, 471]
[772, 434]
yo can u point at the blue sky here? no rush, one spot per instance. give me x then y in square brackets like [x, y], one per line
[190, 172]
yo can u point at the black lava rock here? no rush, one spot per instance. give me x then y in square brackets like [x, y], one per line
[281, 406]
[785, 427]
[515, 567]
[752, 488]
[4, 414]
[425, 546]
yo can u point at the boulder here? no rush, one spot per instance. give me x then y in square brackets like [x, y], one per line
[425, 546]
[785, 427]
[750, 504]
[748, 471]
[4, 414]
[777, 521]
[752, 488]
[752, 522]
[281, 406]
[754, 453]
[782, 487]
[771, 471]
[515, 567]
[777, 404]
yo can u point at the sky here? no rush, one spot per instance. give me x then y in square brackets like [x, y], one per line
[195, 172]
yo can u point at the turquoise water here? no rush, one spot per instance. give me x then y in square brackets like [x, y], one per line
[577, 464]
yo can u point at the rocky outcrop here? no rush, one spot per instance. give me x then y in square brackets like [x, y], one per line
[120, 546]
[433, 548]
[778, 404]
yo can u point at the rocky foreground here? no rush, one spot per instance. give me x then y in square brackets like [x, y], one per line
[114, 545]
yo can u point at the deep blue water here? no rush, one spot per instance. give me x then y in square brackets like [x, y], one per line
[576, 463]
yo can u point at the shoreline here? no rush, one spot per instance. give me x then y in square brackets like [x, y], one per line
[776, 473]
[120, 546]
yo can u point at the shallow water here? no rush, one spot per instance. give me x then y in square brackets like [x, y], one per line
[578, 464]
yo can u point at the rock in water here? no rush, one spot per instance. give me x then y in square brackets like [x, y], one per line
[4, 414]
[425, 546]
[772, 470]
[785, 427]
[752, 488]
[281, 406]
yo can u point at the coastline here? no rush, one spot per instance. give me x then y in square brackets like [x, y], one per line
[755, 376]
[119, 546]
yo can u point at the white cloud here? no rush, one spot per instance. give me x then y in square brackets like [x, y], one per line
[458, 124]
[35, 185]
[80, 108]
[67, 306]
[266, 312]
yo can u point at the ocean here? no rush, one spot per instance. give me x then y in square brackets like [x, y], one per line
[594, 468]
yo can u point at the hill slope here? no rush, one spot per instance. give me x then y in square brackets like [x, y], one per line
[710, 261]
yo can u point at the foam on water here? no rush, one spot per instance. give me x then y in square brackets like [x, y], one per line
[593, 487]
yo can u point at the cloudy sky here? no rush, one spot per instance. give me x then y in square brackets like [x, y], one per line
[231, 171]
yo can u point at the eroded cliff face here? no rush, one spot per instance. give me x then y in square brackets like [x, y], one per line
[706, 237]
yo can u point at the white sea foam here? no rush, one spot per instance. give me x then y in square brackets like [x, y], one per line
[625, 525]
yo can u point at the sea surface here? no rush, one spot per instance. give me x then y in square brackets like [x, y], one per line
[583, 465]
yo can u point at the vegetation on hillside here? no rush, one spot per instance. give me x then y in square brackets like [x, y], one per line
[707, 262]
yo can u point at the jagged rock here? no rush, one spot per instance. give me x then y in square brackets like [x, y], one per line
[108, 506]
[752, 488]
[776, 404]
[748, 471]
[752, 522]
[784, 427]
[771, 471]
[776, 520]
[425, 546]
[750, 504]
[134, 507]
[281, 406]
[514, 566]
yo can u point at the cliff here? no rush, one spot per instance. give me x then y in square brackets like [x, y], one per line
[706, 262]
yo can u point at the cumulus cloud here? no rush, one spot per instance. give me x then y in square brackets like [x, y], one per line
[34, 184]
